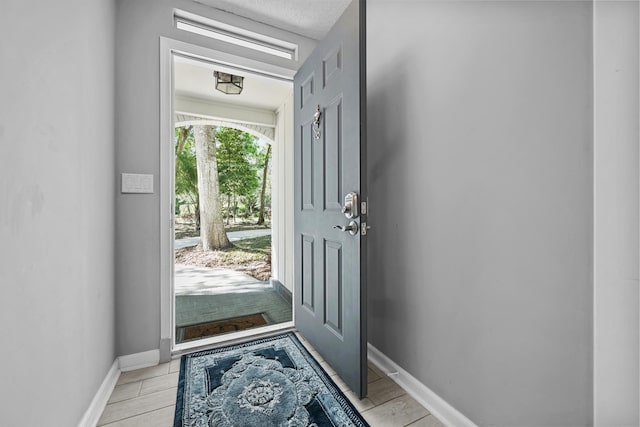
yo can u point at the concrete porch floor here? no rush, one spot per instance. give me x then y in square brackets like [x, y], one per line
[209, 294]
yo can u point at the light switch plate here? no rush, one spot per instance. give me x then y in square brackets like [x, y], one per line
[137, 183]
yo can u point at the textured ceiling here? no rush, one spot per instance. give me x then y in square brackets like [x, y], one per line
[310, 18]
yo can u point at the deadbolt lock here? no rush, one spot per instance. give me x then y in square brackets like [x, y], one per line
[350, 208]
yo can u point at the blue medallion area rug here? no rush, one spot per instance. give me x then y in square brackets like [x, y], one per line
[269, 382]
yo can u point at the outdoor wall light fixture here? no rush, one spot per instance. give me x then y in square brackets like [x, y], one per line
[228, 83]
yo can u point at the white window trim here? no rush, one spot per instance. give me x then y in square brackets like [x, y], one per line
[207, 27]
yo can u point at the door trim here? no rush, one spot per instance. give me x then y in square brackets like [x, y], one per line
[169, 47]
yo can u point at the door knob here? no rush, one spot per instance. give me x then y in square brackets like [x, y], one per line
[352, 228]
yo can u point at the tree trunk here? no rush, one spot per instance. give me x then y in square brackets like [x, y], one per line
[212, 233]
[196, 215]
[183, 134]
[235, 209]
[264, 185]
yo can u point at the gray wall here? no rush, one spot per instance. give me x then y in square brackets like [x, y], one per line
[480, 172]
[139, 24]
[56, 208]
[616, 135]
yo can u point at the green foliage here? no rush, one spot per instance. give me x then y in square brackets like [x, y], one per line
[240, 162]
[257, 244]
[250, 203]
[237, 157]
[238, 256]
[186, 182]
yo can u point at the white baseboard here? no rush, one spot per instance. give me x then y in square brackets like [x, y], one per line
[121, 364]
[442, 410]
[134, 361]
[93, 413]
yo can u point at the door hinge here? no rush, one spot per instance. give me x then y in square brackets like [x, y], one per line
[363, 208]
[364, 228]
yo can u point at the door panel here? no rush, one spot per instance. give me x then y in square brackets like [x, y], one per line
[307, 164]
[330, 298]
[333, 287]
[308, 277]
[333, 194]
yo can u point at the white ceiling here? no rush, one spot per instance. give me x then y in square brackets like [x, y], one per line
[194, 78]
[310, 18]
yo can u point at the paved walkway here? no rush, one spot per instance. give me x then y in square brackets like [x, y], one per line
[204, 294]
[233, 237]
[190, 280]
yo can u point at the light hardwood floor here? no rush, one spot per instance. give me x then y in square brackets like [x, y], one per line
[147, 397]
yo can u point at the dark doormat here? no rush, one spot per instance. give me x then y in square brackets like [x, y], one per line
[208, 329]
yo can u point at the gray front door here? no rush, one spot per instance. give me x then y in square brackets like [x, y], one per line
[329, 105]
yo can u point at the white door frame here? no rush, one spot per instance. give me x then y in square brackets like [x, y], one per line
[169, 47]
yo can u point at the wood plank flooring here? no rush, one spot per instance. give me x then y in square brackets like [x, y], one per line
[147, 398]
